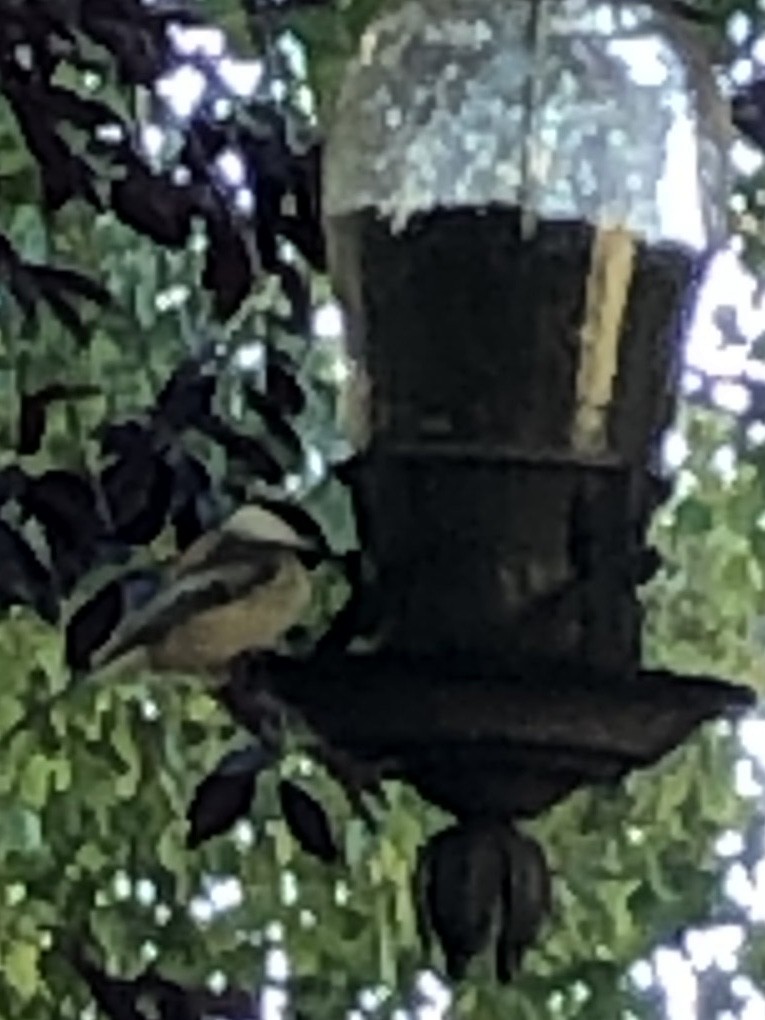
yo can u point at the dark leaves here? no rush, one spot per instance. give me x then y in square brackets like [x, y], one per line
[194, 507]
[282, 385]
[187, 395]
[748, 112]
[52, 280]
[45, 102]
[60, 289]
[218, 803]
[138, 489]
[146, 482]
[154, 205]
[152, 996]
[116, 997]
[304, 229]
[152, 481]
[171, 1000]
[140, 59]
[96, 620]
[272, 417]
[148, 995]
[241, 447]
[120, 439]
[13, 482]
[226, 794]
[308, 822]
[61, 130]
[135, 33]
[34, 407]
[64, 499]
[191, 520]
[24, 580]
[228, 272]
[66, 506]
[64, 174]
[358, 780]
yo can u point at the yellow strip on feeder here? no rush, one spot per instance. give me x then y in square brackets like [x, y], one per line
[608, 284]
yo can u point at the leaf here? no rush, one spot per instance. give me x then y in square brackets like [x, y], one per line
[22, 970]
[67, 507]
[29, 231]
[33, 411]
[282, 385]
[240, 447]
[61, 774]
[138, 489]
[154, 205]
[386, 946]
[355, 842]
[228, 271]
[11, 710]
[91, 858]
[172, 855]
[20, 830]
[226, 794]
[308, 822]
[123, 742]
[218, 802]
[172, 1001]
[96, 619]
[616, 896]
[24, 580]
[748, 112]
[115, 996]
[273, 418]
[693, 517]
[187, 395]
[34, 781]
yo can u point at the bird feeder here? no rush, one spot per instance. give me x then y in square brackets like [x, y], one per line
[521, 197]
[502, 192]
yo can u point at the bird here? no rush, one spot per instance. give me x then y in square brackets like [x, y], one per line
[238, 588]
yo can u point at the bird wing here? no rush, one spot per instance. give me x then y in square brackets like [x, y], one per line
[191, 593]
[192, 557]
[259, 619]
[218, 549]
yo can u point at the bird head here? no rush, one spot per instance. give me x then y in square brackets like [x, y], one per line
[257, 524]
[282, 527]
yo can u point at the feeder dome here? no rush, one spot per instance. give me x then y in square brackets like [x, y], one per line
[606, 112]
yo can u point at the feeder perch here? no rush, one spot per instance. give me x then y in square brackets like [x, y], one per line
[521, 198]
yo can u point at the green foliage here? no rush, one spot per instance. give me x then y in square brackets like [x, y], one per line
[703, 607]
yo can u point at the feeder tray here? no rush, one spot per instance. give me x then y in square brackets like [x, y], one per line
[478, 739]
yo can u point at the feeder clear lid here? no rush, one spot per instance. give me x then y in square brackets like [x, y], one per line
[605, 112]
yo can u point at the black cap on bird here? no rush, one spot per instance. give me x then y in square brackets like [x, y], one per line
[241, 587]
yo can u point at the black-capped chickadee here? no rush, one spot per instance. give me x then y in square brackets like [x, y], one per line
[241, 587]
